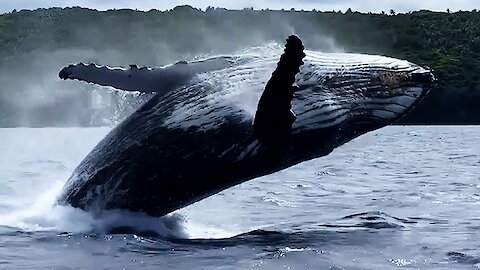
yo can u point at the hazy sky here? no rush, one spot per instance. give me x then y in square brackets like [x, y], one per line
[357, 5]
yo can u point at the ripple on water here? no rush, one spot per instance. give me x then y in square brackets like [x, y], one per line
[462, 258]
[426, 192]
[371, 220]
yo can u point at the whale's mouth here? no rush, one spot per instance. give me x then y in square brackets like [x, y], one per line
[352, 103]
[360, 100]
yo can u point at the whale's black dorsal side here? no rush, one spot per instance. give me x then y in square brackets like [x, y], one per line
[274, 117]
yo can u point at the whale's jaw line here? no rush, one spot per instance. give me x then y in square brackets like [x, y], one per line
[355, 100]
[338, 88]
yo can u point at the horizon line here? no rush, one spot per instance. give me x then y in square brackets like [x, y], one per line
[215, 8]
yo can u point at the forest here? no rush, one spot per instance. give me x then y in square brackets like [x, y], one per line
[35, 45]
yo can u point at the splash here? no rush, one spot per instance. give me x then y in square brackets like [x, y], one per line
[36, 165]
[43, 214]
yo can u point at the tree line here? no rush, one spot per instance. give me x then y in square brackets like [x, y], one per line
[35, 44]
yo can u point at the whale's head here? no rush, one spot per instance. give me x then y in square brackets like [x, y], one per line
[346, 95]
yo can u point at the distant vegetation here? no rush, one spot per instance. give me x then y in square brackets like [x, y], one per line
[34, 45]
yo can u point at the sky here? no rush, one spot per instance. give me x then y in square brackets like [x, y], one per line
[322, 5]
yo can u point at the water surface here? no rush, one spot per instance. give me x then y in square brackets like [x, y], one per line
[399, 197]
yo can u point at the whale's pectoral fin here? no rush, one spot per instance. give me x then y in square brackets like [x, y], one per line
[132, 79]
[274, 116]
[146, 80]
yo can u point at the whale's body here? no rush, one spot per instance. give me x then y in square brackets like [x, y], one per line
[198, 135]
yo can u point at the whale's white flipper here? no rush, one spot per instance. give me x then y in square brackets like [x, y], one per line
[146, 80]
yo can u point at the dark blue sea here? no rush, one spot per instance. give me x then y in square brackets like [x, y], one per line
[397, 198]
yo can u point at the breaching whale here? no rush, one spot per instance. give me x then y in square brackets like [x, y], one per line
[218, 122]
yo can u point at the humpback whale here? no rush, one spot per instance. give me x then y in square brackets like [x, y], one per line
[218, 122]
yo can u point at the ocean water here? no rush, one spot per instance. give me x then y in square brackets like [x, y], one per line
[396, 198]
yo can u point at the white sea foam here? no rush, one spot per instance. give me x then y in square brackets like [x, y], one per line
[43, 214]
[37, 168]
